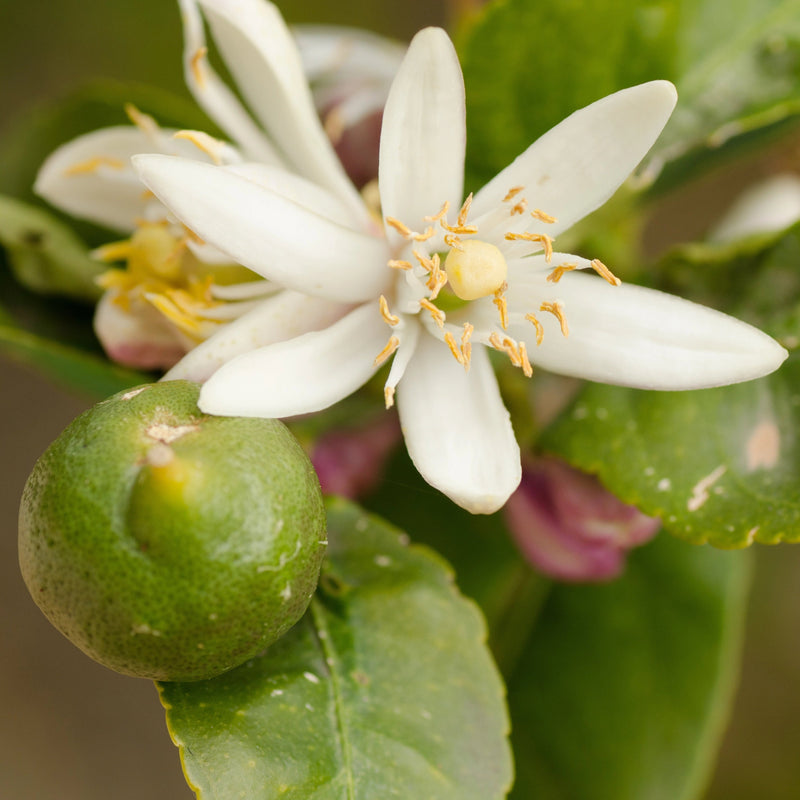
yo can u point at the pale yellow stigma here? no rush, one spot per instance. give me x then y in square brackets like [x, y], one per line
[477, 269]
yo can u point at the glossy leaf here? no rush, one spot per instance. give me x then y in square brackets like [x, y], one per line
[622, 691]
[384, 689]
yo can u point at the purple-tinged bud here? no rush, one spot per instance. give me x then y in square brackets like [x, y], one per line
[350, 462]
[569, 526]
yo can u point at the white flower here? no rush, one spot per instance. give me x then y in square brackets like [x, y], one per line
[528, 302]
[150, 315]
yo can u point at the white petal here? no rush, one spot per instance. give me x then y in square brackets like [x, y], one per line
[286, 315]
[261, 55]
[771, 205]
[213, 96]
[277, 238]
[632, 336]
[299, 375]
[576, 166]
[423, 137]
[110, 194]
[457, 431]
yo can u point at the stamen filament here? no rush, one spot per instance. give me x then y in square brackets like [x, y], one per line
[387, 351]
[439, 214]
[397, 264]
[501, 304]
[537, 213]
[512, 193]
[604, 272]
[542, 238]
[538, 326]
[527, 369]
[557, 310]
[93, 164]
[196, 65]
[435, 312]
[454, 349]
[388, 317]
[204, 143]
[558, 273]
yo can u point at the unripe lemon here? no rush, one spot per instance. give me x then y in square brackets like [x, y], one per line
[169, 544]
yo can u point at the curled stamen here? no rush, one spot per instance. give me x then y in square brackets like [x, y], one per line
[512, 193]
[440, 214]
[397, 264]
[434, 311]
[454, 348]
[506, 345]
[387, 351]
[542, 238]
[501, 304]
[453, 241]
[93, 164]
[423, 237]
[388, 317]
[527, 369]
[538, 326]
[196, 62]
[519, 208]
[537, 213]
[557, 310]
[604, 272]
[203, 142]
[558, 273]
[428, 264]
[462, 215]
[436, 283]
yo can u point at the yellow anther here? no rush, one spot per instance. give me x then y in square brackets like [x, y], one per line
[93, 164]
[466, 345]
[423, 237]
[501, 304]
[435, 284]
[434, 311]
[397, 264]
[428, 264]
[454, 348]
[537, 213]
[538, 326]
[604, 272]
[202, 141]
[196, 63]
[388, 317]
[388, 396]
[506, 345]
[462, 215]
[387, 351]
[114, 251]
[542, 238]
[512, 193]
[440, 214]
[453, 241]
[557, 310]
[558, 273]
[527, 369]
[147, 195]
[476, 269]
[144, 122]
[402, 229]
[519, 208]
[192, 236]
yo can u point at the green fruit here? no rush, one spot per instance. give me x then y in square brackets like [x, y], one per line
[169, 544]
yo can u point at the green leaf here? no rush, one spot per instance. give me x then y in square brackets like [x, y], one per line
[718, 466]
[735, 63]
[384, 689]
[623, 690]
[44, 254]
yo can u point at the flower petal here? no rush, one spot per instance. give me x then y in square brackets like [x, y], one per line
[632, 336]
[263, 58]
[457, 431]
[576, 166]
[423, 138]
[283, 316]
[300, 375]
[91, 177]
[278, 238]
[213, 96]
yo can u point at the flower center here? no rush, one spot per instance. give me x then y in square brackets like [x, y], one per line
[475, 269]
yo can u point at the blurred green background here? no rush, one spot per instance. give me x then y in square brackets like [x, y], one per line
[71, 729]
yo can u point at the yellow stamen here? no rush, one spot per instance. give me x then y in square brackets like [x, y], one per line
[519, 208]
[501, 304]
[506, 345]
[144, 122]
[557, 310]
[402, 229]
[436, 313]
[147, 195]
[387, 351]
[537, 213]
[423, 237]
[440, 214]
[93, 164]
[196, 65]
[527, 369]
[466, 345]
[334, 124]
[190, 234]
[388, 396]
[538, 326]
[462, 215]
[202, 141]
[512, 193]
[545, 240]
[388, 317]
[428, 264]
[604, 272]
[454, 349]
[558, 273]
[114, 251]
[396, 264]
[453, 241]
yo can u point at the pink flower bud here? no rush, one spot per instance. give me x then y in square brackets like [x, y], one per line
[569, 526]
[350, 462]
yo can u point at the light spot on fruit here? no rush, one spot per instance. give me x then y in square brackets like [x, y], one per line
[159, 455]
[383, 561]
[144, 629]
[286, 593]
[763, 446]
[169, 433]
[311, 677]
[664, 485]
[701, 489]
[276, 693]
[133, 393]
